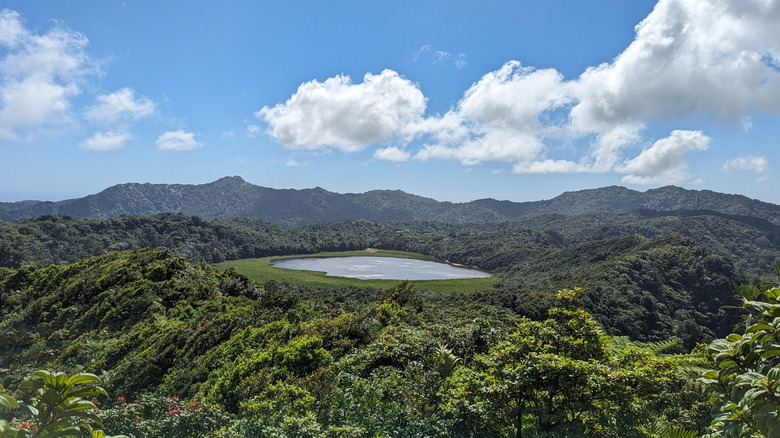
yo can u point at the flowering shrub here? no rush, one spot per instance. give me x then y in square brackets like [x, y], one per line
[156, 416]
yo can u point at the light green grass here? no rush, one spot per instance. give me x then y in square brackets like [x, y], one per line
[261, 270]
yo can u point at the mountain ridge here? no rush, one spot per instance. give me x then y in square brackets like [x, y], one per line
[231, 197]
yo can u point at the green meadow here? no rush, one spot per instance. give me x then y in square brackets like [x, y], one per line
[260, 269]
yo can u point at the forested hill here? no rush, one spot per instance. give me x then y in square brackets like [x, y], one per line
[233, 197]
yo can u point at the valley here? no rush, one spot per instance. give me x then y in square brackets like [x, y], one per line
[174, 305]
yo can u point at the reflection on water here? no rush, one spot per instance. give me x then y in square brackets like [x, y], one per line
[380, 268]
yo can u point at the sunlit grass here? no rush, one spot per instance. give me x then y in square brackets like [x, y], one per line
[261, 270]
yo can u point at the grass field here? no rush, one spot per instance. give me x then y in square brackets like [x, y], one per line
[261, 270]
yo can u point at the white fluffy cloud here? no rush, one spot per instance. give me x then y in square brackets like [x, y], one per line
[39, 75]
[498, 118]
[549, 166]
[121, 104]
[392, 153]
[749, 163]
[177, 141]
[689, 56]
[663, 162]
[699, 58]
[106, 141]
[344, 115]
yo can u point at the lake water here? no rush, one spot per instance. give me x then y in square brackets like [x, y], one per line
[380, 268]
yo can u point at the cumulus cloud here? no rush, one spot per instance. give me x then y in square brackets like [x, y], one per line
[699, 58]
[689, 56]
[39, 74]
[498, 118]
[337, 113]
[392, 153]
[748, 163]
[121, 104]
[549, 166]
[663, 162]
[177, 141]
[106, 141]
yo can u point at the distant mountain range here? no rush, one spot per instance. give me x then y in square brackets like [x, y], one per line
[232, 197]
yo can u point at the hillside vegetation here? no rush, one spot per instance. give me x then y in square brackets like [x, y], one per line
[752, 244]
[187, 350]
[372, 363]
[233, 197]
[595, 322]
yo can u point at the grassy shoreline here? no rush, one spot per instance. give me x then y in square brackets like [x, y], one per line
[261, 269]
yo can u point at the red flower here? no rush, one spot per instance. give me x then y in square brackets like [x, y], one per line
[139, 419]
[26, 425]
[120, 400]
[174, 412]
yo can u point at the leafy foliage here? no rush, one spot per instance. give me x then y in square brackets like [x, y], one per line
[59, 406]
[158, 416]
[557, 378]
[745, 387]
[232, 197]
[289, 360]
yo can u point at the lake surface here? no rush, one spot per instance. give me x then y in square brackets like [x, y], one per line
[380, 268]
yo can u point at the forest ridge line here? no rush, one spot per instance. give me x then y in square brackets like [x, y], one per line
[232, 197]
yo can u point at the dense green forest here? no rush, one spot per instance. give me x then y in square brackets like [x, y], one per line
[752, 244]
[185, 349]
[643, 278]
[232, 197]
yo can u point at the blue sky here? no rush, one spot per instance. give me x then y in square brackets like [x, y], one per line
[446, 99]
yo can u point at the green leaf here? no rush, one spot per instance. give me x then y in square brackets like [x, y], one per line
[82, 378]
[8, 402]
[711, 374]
[761, 326]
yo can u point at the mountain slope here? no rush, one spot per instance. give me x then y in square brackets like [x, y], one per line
[232, 197]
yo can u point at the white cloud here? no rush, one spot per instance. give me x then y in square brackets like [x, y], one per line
[392, 153]
[424, 49]
[291, 163]
[749, 163]
[177, 141]
[121, 104]
[253, 131]
[459, 60]
[344, 115]
[689, 56]
[607, 151]
[106, 141]
[747, 123]
[441, 56]
[498, 117]
[548, 166]
[664, 162]
[39, 74]
[12, 30]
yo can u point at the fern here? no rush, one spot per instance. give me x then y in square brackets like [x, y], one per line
[659, 347]
[446, 360]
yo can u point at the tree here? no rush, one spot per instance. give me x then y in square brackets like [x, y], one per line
[745, 387]
[559, 377]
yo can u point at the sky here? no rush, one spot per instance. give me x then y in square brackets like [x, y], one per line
[447, 99]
